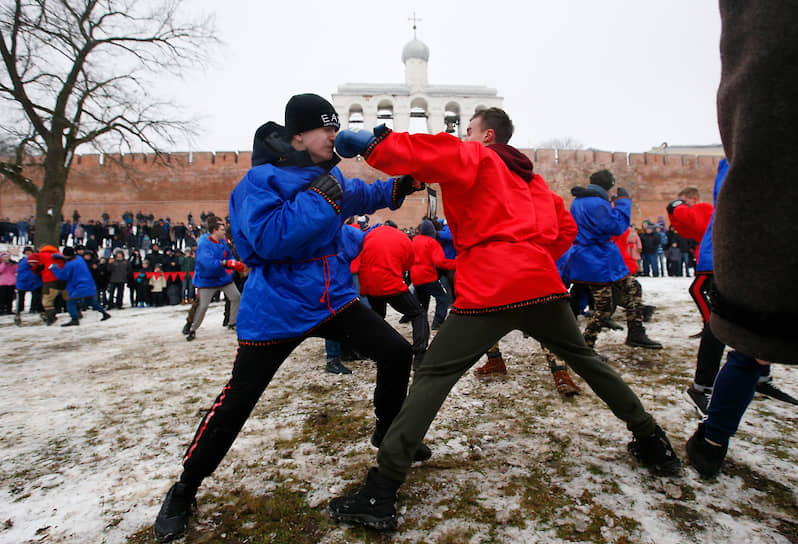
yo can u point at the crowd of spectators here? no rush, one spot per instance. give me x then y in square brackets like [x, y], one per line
[136, 261]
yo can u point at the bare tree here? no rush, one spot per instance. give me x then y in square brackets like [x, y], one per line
[561, 143]
[82, 73]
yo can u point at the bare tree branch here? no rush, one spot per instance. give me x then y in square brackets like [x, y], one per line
[81, 72]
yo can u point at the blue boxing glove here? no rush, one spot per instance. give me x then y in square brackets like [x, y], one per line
[349, 143]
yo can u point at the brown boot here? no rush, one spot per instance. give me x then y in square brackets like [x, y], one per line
[565, 385]
[495, 365]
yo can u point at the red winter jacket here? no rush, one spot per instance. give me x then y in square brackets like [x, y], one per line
[622, 242]
[502, 224]
[387, 253]
[692, 221]
[567, 229]
[427, 258]
[41, 261]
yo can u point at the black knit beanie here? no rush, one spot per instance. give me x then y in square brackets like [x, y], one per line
[603, 178]
[308, 111]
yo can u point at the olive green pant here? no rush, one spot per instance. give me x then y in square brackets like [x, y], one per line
[462, 340]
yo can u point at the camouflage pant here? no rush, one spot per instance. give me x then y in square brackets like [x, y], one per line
[629, 297]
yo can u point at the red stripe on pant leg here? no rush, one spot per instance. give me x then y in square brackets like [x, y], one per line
[205, 423]
[700, 299]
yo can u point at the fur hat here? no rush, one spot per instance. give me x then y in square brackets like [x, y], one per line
[308, 111]
[68, 252]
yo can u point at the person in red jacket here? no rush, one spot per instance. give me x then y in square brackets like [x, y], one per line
[386, 255]
[51, 286]
[503, 221]
[428, 258]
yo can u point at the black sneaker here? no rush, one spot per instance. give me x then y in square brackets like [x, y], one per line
[172, 520]
[768, 389]
[706, 458]
[372, 505]
[71, 323]
[187, 328]
[334, 366]
[190, 336]
[232, 326]
[700, 399]
[655, 452]
[422, 452]
[105, 317]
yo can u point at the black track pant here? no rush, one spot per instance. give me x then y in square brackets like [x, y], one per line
[255, 366]
[710, 350]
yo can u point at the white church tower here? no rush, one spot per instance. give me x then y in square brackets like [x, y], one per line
[415, 106]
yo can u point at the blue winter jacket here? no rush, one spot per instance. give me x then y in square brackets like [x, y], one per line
[27, 280]
[76, 274]
[447, 242]
[293, 241]
[208, 268]
[595, 257]
[704, 263]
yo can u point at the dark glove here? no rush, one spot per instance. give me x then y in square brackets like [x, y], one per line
[349, 143]
[622, 193]
[674, 203]
[328, 187]
[406, 185]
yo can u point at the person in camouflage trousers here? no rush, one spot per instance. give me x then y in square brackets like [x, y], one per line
[597, 263]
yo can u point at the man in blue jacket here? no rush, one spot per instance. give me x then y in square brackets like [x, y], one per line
[79, 285]
[211, 274]
[596, 260]
[286, 216]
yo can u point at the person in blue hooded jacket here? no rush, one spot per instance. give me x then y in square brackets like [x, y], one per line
[80, 285]
[27, 281]
[212, 274]
[286, 218]
[597, 262]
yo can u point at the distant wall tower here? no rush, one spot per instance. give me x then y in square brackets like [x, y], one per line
[415, 105]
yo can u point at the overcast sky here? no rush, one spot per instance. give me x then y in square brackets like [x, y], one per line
[616, 75]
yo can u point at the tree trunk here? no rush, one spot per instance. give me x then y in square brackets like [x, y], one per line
[50, 199]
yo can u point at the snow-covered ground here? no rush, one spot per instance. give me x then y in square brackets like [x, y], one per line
[94, 420]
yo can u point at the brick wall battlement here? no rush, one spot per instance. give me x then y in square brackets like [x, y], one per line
[202, 181]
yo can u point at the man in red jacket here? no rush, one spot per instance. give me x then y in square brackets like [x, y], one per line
[51, 286]
[505, 229]
[386, 255]
[428, 257]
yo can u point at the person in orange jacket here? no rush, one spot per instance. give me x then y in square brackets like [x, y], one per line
[386, 256]
[428, 258]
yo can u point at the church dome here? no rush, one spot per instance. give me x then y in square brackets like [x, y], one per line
[415, 49]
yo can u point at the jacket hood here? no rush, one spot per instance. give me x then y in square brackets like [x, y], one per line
[590, 190]
[516, 161]
[271, 145]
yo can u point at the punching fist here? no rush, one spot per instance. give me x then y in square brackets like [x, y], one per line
[622, 193]
[349, 143]
[674, 203]
[408, 184]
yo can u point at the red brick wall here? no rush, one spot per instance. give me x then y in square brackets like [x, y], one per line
[203, 181]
